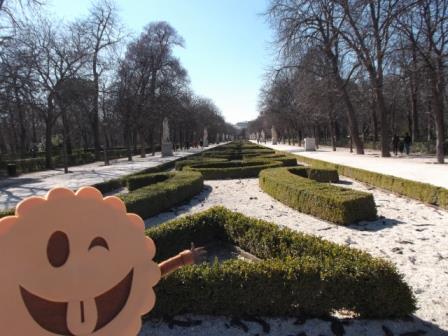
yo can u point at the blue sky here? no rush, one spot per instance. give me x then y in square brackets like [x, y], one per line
[227, 44]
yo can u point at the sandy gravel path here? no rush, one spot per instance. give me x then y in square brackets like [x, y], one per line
[414, 236]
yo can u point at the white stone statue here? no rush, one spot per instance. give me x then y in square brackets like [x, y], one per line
[205, 142]
[167, 146]
[165, 131]
[263, 136]
[274, 135]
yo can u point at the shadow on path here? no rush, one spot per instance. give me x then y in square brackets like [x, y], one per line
[180, 209]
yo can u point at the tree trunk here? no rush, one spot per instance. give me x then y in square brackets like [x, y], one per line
[22, 137]
[95, 112]
[374, 122]
[414, 87]
[49, 133]
[438, 111]
[48, 143]
[106, 147]
[381, 106]
[64, 139]
[351, 115]
[142, 144]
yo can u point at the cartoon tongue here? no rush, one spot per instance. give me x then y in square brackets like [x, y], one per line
[82, 317]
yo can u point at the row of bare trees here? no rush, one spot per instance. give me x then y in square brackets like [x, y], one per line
[363, 69]
[88, 84]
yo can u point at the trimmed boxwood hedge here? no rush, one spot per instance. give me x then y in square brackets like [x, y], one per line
[7, 212]
[286, 160]
[299, 273]
[325, 201]
[182, 163]
[139, 181]
[152, 199]
[232, 169]
[424, 192]
[114, 184]
[110, 185]
[320, 174]
[235, 156]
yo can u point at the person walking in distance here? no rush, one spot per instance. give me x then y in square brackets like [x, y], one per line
[407, 143]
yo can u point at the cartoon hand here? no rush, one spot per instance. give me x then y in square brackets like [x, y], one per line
[199, 253]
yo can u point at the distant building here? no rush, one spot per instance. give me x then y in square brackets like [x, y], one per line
[242, 125]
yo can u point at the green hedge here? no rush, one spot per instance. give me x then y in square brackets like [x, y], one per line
[7, 212]
[325, 201]
[424, 192]
[321, 174]
[232, 169]
[139, 181]
[183, 163]
[286, 160]
[110, 185]
[238, 153]
[154, 198]
[114, 184]
[299, 273]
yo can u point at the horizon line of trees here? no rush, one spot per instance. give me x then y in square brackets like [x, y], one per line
[88, 84]
[363, 70]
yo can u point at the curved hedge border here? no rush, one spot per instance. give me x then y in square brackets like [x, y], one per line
[299, 273]
[152, 199]
[236, 155]
[288, 161]
[183, 163]
[232, 169]
[295, 188]
[420, 191]
[114, 184]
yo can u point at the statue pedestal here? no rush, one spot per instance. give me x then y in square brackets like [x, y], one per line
[310, 144]
[167, 149]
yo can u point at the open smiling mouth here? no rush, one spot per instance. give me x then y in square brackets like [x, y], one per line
[53, 317]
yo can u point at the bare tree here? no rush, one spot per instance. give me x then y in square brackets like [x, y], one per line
[305, 25]
[53, 57]
[103, 32]
[426, 28]
[368, 30]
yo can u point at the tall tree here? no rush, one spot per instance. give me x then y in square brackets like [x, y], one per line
[305, 25]
[103, 32]
[426, 27]
[368, 30]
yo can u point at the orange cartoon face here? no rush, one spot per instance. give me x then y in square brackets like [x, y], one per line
[75, 264]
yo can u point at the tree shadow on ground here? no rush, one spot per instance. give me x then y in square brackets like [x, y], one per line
[14, 181]
[179, 209]
[379, 224]
[9, 200]
[300, 325]
[343, 182]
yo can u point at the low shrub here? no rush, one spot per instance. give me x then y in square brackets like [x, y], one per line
[323, 175]
[7, 212]
[298, 273]
[286, 160]
[110, 185]
[154, 198]
[183, 163]
[138, 181]
[254, 152]
[424, 192]
[232, 169]
[325, 201]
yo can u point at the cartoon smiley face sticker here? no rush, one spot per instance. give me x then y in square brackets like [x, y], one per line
[75, 264]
